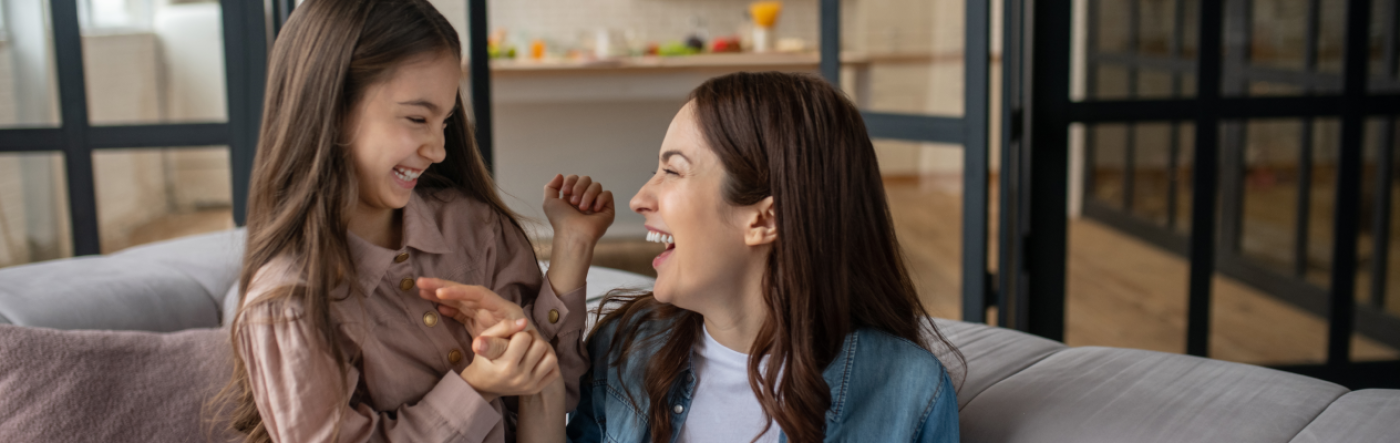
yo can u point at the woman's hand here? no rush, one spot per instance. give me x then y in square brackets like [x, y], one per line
[578, 208]
[527, 366]
[542, 415]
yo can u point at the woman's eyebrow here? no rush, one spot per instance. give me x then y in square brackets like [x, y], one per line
[668, 154]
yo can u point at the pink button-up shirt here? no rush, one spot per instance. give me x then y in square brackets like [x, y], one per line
[403, 358]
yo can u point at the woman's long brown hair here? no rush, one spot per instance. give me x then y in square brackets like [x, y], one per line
[836, 265]
[303, 187]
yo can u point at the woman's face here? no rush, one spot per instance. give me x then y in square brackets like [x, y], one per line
[685, 209]
[396, 130]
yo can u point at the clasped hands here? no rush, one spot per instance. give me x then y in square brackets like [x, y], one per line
[511, 358]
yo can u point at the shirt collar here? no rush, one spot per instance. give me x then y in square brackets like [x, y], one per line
[420, 232]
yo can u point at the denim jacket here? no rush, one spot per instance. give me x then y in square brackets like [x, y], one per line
[883, 389]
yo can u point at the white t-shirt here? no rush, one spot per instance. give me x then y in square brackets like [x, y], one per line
[723, 408]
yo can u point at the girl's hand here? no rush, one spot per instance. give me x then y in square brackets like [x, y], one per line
[476, 307]
[578, 208]
[526, 368]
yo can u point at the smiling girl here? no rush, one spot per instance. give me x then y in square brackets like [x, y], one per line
[782, 307]
[368, 203]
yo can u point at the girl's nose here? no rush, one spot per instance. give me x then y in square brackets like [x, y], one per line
[434, 150]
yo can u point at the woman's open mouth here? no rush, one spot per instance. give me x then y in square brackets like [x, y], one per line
[663, 238]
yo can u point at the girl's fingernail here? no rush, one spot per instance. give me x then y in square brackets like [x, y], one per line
[520, 322]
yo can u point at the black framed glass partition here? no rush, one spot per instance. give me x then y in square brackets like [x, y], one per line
[1246, 135]
[92, 79]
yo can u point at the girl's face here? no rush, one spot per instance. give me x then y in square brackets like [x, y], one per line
[707, 249]
[396, 130]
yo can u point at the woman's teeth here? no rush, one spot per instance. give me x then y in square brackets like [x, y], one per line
[406, 174]
[657, 237]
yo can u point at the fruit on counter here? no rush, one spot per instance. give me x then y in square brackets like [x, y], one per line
[675, 48]
[726, 44]
[653, 49]
[497, 46]
[496, 51]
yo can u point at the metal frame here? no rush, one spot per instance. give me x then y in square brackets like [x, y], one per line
[1012, 223]
[76, 138]
[1219, 100]
[480, 72]
[970, 131]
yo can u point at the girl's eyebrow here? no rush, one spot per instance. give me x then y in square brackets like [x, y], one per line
[423, 103]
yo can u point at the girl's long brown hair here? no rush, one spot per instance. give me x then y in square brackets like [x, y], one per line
[835, 267]
[303, 187]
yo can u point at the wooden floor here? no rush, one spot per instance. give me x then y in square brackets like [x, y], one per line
[1121, 291]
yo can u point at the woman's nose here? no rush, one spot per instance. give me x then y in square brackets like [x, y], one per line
[643, 201]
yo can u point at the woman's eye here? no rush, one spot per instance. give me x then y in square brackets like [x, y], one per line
[670, 172]
[418, 119]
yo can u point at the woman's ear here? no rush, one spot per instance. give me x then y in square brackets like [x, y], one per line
[762, 228]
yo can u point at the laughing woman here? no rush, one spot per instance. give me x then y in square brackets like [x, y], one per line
[782, 307]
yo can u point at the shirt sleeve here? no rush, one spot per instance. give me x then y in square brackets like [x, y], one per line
[299, 393]
[941, 423]
[559, 317]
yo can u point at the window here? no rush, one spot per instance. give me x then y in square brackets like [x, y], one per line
[114, 15]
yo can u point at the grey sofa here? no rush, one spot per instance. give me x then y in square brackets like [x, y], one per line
[128, 347]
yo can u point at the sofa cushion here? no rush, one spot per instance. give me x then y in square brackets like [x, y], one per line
[166, 286]
[110, 386]
[1095, 394]
[1369, 415]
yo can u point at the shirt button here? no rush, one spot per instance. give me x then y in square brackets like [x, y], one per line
[553, 316]
[678, 409]
[430, 318]
[454, 356]
[406, 283]
[401, 258]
